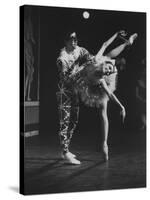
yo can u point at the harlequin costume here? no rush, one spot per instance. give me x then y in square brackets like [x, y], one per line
[67, 96]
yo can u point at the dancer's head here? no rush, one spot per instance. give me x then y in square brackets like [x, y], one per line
[106, 66]
[71, 40]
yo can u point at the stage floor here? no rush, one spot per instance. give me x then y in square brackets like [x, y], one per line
[45, 171]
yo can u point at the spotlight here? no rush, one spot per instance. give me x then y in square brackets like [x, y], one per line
[86, 15]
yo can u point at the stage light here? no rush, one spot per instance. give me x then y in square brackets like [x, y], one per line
[86, 15]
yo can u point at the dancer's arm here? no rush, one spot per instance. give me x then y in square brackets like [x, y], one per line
[112, 96]
[84, 56]
[68, 74]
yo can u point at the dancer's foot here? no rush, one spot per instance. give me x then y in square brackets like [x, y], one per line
[69, 153]
[132, 38]
[105, 152]
[71, 160]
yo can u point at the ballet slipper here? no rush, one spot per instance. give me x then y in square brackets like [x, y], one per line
[105, 152]
[71, 160]
[132, 38]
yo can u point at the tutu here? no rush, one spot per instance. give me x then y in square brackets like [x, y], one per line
[88, 87]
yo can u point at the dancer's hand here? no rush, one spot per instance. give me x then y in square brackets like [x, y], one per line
[123, 113]
[75, 70]
[122, 33]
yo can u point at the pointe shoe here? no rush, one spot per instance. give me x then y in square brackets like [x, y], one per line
[71, 160]
[105, 152]
[132, 38]
[69, 153]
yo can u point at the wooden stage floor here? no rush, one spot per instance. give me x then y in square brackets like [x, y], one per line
[45, 171]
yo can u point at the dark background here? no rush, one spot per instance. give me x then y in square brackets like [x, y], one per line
[92, 32]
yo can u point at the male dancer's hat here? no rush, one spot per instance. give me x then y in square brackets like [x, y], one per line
[71, 35]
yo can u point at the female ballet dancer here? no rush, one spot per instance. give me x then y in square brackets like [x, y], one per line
[97, 83]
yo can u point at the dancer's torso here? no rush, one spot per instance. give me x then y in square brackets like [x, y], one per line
[88, 88]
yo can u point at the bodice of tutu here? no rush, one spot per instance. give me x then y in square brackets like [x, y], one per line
[90, 91]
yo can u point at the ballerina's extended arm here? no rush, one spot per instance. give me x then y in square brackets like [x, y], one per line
[111, 95]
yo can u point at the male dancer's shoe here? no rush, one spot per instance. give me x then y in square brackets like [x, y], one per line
[69, 153]
[68, 158]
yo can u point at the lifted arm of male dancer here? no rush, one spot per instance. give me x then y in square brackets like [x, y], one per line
[112, 96]
[65, 72]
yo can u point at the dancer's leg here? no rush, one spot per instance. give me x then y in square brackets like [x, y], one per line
[72, 125]
[73, 120]
[104, 128]
[115, 52]
[64, 116]
[74, 115]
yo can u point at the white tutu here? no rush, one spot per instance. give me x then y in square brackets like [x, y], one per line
[88, 88]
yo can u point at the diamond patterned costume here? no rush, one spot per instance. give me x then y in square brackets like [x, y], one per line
[67, 95]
